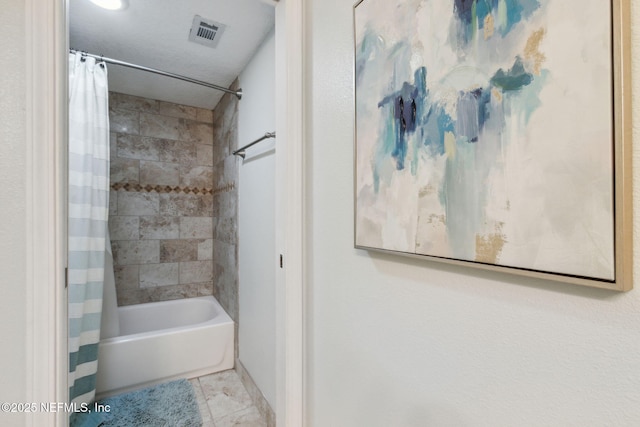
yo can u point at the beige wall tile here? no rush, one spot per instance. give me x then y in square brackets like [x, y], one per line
[226, 112]
[124, 227]
[220, 144]
[156, 149]
[159, 173]
[166, 293]
[205, 250]
[177, 110]
[124, 170]
[139, 147]
[225, 255]
[205, 289]
[201, 133]
[113, 202]
[152, 275]
[129, 252]
[130, 102]
[230, 171]
[204, 115]
[196, 176]
[218, 173]
[159, 227]
[178, 250]
[225, 289]
[196, 227]
[113, 146]
[196, 271]
[233, 140]
[134, 203]
[226, 204]
[216, 205]
[124, 121]
[133, 296]
[186, 205]
[161, 126]
[127, 276]
[204, 155]
[182, 152]
[226, 230]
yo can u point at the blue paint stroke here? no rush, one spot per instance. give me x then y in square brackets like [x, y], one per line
[437, 123]
[518, 10]
[513, 79]
[470, 13]
[472, 113]
[461, 197]
[404, 109]
[463, 9]
[412, 119]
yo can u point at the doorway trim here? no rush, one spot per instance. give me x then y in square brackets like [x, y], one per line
[46, 130]
[46, 50]
[290, 214]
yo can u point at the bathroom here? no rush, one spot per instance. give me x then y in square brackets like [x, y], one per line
[187, 219]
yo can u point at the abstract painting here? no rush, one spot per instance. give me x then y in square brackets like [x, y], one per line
[485, 132]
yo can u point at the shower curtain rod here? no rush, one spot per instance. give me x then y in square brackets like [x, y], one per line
[237, 93]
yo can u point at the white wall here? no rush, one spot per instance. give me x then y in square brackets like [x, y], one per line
[13, 250]
[256, 221]
[400, 342]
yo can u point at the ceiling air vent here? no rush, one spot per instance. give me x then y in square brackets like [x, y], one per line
[206, 31]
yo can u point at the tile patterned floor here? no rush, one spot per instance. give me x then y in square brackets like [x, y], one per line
[224, 402]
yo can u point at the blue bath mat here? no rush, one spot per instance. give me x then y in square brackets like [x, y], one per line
[170, 404]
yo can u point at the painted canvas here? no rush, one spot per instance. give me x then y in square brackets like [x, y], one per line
[484, 132]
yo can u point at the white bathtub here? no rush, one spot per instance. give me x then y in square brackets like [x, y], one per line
[167, 340]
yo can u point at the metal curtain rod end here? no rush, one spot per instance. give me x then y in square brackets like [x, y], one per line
[239, 93]
[240, 153]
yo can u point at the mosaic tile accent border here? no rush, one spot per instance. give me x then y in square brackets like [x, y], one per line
[166, 189]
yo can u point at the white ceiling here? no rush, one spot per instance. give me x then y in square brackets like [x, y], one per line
[155, 34]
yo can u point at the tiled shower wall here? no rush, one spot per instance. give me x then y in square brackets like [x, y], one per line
[225, 204]
[162, 199]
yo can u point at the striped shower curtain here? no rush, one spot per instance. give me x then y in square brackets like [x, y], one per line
[88, 214]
